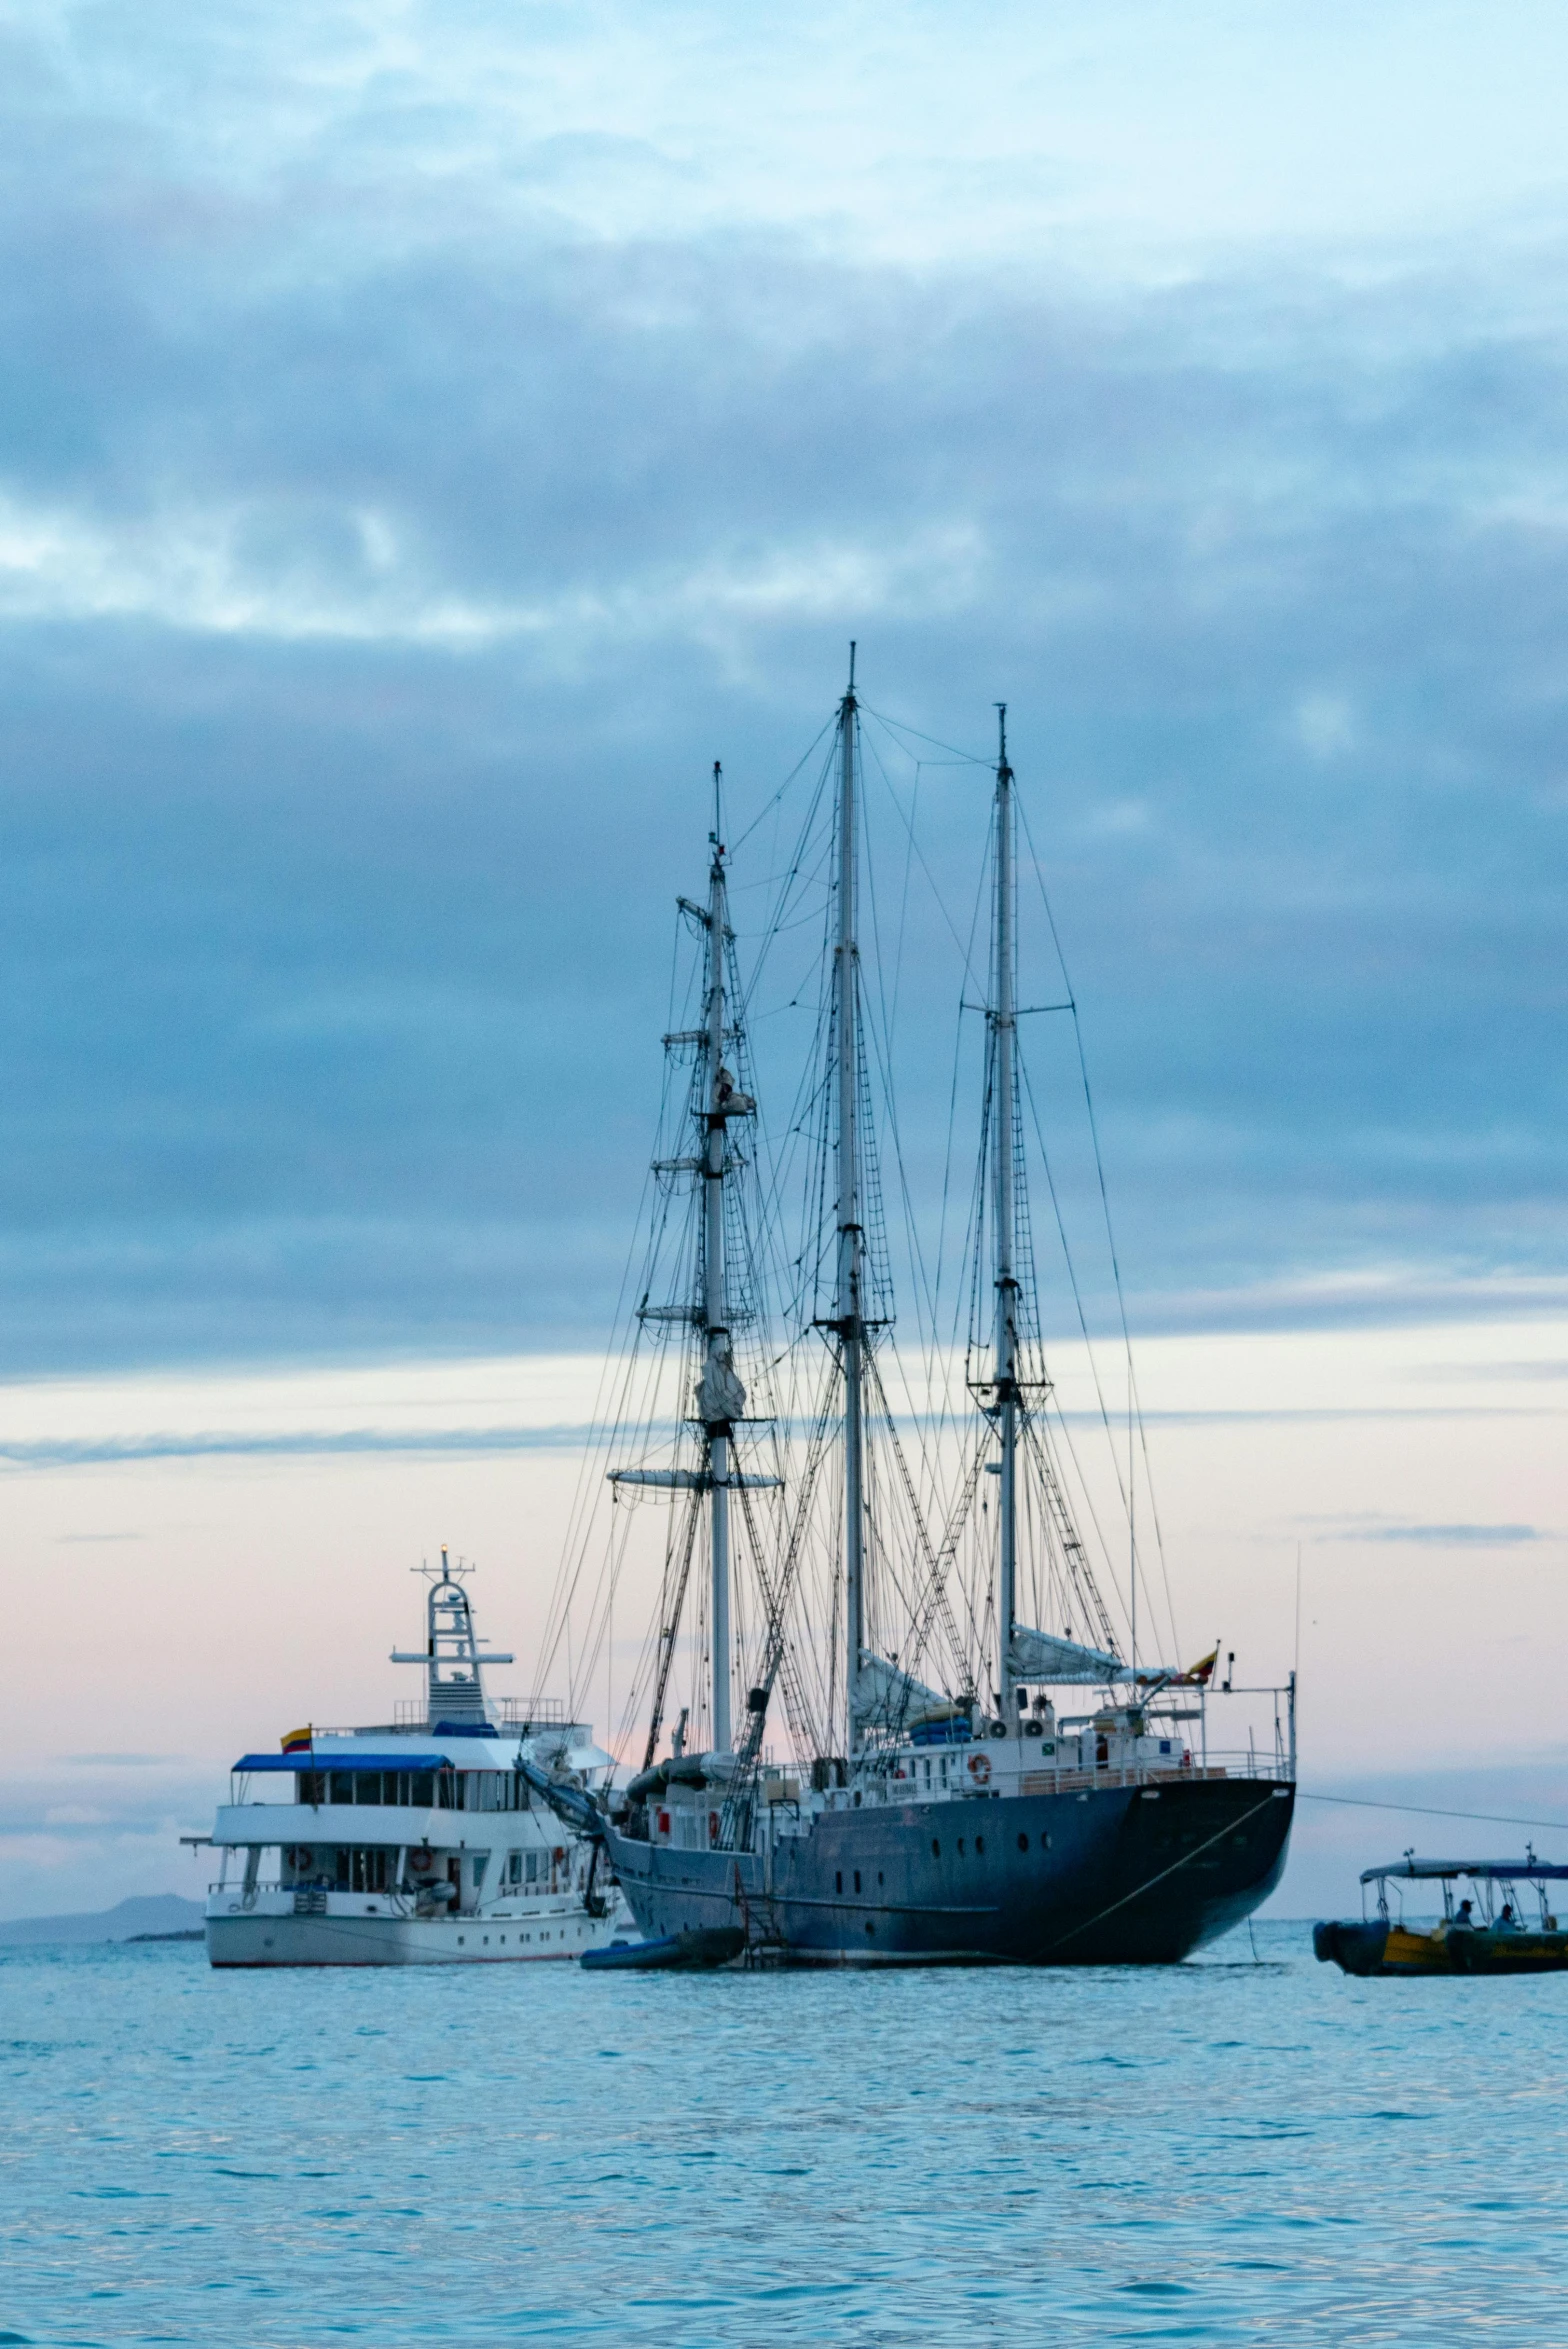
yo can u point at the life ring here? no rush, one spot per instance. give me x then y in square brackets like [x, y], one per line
[979, 1768]
[422, 1860]
[299, 1857]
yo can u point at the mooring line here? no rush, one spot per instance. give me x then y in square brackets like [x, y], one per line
[1139, 1890]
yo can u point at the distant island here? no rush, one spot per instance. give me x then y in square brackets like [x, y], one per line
[156, 1916]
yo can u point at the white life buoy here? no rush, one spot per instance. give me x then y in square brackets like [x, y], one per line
[979, 1768]
[422, 1860]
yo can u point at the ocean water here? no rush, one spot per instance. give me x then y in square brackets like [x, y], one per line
[1229, 2151]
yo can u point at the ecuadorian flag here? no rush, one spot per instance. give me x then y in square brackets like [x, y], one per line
[1198, 1675]
[299, 1741]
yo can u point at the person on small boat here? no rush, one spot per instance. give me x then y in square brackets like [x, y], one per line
[1508, 1922]
[1465, 1914]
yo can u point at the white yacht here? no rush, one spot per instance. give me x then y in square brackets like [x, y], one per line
[418, 1843]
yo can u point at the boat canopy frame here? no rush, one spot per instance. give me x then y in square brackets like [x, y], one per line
[1486, 1875]
[1497, 1871]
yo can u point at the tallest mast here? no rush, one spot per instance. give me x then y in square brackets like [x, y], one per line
[715, 1398]
[849, 1304]
[1004, 1025]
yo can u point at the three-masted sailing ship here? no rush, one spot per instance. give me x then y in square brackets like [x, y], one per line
[941, 1801]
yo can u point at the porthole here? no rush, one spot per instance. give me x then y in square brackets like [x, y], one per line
[960, 1847]
[936, 1849]
[1023, 1843]
[979, 1847]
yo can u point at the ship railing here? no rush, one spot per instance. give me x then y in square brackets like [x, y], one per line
[308, 1899]
[236, 1887]
[502, 1713]
[1046, 1778]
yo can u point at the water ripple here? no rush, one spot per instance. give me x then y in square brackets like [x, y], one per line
[1227, 2153]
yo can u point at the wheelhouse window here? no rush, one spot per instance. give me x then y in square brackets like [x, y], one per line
[419, 1790]
[340, 1867]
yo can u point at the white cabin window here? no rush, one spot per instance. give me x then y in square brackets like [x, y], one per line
[514, 1867]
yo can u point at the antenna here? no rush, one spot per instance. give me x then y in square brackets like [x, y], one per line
[851, 664]
[716, 835]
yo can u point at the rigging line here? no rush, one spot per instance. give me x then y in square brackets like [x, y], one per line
[580, 1510]
[671, 1629]
[964, 758]
[882, 1053]
[620, 1363]
[1112, 1444]
[1077, 1564]
[962, 1513]
[1185, 1861]
[936, 893]
[938, 1333]
[927, 1290]
[1359, 1802]
[802, 1728]
[772, 803]
[1072, 1277]
[620, 1425]
[903, 907]
[935, 1571]
[982, 896]
[802, 850]
[1110, 1234]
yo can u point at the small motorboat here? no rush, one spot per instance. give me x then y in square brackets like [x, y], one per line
[697, 1950]
[1482, 1932]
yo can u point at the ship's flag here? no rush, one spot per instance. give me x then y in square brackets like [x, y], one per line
[300, 1741]
[1198, 1675]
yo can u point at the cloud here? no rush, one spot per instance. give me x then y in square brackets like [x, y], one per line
[389, 540]
[1449, 1537]
[220, 1443]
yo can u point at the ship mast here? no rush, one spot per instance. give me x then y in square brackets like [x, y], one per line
[720, 1397]
[1003, 1024]
[848, 1307]
[718, 1367]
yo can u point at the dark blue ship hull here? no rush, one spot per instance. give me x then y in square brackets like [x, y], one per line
[1119, 1875]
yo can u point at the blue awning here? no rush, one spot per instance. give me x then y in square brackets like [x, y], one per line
[320, 1761]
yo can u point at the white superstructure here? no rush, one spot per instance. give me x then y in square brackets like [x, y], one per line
[419, 1842]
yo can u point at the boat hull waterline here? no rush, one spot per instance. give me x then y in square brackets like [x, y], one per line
[1119, 1876]
[1372, 1947]
[682, 1953]
[284, 1940]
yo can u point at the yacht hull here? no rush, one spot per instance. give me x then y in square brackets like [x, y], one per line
[258, 1939]
[1115, 1876]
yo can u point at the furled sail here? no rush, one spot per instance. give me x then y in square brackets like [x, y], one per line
[721, 1398]
[887, 1697]
[1040, 1655]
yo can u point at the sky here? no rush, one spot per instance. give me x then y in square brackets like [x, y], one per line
[429, 437]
